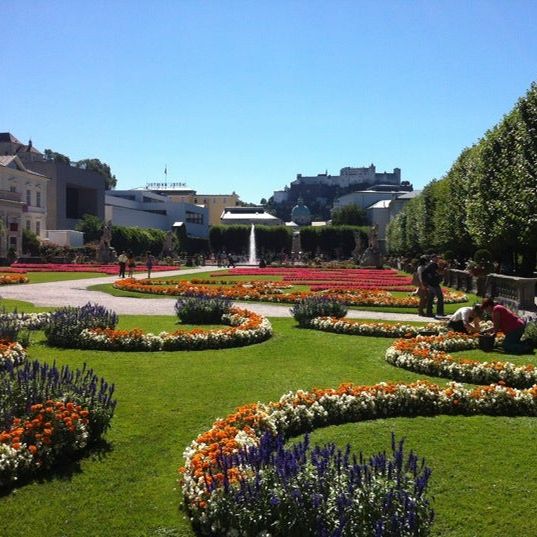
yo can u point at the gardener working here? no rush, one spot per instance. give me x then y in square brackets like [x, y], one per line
[466, 320]
[510, 324]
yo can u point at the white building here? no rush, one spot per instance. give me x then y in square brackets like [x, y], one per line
[383, 211]
[248, 216]
[144, 208]
[366, 198]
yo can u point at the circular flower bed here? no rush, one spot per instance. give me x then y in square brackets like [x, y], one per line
[48, 413]
[376, 329]
[272, 292]
[205, 480]
[429, 355]
[245, 328]
[8, 279]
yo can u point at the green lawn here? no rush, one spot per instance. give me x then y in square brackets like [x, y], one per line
[484, 480]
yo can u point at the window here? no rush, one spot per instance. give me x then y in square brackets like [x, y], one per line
[13, 242]
[38, 199]
[13, 226]
[13, 189]
[38, 228]
[28, 197]
[28, 225]
[194, 218]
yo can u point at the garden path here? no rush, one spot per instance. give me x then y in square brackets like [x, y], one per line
[76, 293]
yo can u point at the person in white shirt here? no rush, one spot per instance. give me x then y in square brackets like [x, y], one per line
[466, 319]
[122, 260]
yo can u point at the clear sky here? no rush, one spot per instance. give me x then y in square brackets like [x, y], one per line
[243, 95]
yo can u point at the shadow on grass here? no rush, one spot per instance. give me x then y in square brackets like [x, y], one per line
[63, 470]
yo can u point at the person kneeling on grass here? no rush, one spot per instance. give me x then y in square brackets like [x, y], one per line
[466, 320]
[510, 324]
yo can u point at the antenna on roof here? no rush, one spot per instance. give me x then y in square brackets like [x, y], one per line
[166, 173]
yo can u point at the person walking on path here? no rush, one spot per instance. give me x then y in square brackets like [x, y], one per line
[466, 320]
[122, 260]
[131, 264]
[150, 260]
[432, 278]
[510, 324]
[421, 288]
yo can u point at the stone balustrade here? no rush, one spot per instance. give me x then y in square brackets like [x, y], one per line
[518, 293]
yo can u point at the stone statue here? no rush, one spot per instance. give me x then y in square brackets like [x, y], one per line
[167, 245]
[372, 257]
[106, 236]
[374, 237]
[104, 250]
[358, 246]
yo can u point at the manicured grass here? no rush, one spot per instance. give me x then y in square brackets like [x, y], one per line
[20, 305]
[484, 479]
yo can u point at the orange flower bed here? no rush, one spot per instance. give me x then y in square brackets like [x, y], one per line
[270, 292]
[8, 279]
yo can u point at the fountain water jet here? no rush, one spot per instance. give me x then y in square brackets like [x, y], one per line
[252, 257]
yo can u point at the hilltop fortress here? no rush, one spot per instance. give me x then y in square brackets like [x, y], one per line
[320, 191]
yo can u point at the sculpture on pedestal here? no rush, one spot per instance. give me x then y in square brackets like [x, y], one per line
[372, 257]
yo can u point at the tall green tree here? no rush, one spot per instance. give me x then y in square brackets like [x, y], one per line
[349, 215]
[94, 164]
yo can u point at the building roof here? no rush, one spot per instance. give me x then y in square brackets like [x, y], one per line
[6, 160]
[409, 195]
[7, 137]
[382, 204]
[247, 216]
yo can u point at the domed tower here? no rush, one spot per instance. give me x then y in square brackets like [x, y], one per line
[300, 214]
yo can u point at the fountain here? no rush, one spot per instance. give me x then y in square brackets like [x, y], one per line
[252, 258]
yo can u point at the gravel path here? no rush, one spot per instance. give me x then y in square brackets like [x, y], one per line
[76, 293]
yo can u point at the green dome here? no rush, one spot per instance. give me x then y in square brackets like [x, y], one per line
[300, 214]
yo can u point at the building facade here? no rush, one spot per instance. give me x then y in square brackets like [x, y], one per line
[145, 208]
[72, 191]
[23, 201]
[179, 192]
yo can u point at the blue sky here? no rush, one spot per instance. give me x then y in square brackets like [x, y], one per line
[243, 95]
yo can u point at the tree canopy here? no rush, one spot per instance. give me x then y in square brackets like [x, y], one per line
[487, 198]
[349, 215]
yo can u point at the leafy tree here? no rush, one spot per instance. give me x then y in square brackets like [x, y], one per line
[56, 157]
[91, 226]
[349, 215]
[30, 242]
[94, 164]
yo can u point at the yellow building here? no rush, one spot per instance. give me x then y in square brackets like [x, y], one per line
[179, 192]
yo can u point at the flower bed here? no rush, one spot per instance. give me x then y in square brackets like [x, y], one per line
[368, 328]
[270, 292]
[12, 354]
[301, 411]
[386, 279]
[246, 328]
[28, 321]
[48, 413]
[429, 355]
[81, 267]
[8, 279]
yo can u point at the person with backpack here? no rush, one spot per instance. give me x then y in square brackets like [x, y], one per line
[432, 278]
